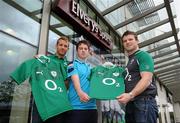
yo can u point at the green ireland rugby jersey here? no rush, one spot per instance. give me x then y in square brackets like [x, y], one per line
[106, 82]
[63, 64]
[140, 61]
[47, 85]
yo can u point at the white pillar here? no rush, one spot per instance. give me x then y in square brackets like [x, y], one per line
[44, 31]
[177, 112]
[167, 115]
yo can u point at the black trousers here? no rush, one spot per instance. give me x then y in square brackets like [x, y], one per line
[82, 116]
[61, 118]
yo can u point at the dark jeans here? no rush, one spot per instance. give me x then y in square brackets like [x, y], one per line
[82, 116]
[61, 118]
[35, 115]
[142, 110]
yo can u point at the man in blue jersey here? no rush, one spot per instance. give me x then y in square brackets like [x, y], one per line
[84, 108]
[140, 88]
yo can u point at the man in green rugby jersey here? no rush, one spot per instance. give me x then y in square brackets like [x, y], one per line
[140, 87]
[47, 75]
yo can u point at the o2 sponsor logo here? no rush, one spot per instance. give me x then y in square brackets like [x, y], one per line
[53, 86]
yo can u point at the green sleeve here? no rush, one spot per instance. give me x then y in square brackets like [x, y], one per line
[21, 73]
[146, 62]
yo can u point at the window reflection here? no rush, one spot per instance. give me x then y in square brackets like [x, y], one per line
[17, 24]
[30, 5]
[14, 105]
[13, 52]
[65, 30]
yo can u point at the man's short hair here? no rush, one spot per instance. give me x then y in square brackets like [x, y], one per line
[83, 42]
[130, 33]
[62, 38]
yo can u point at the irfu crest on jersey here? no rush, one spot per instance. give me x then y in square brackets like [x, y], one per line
[54, 73]
[116, 74]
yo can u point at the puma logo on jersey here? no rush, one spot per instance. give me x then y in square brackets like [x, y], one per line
[39, 72]
[100, 73]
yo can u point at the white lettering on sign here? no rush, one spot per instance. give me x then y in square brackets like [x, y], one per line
[94, 27]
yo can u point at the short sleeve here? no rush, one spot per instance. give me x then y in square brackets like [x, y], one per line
[72, 69]
[146, 62]
[22, 72]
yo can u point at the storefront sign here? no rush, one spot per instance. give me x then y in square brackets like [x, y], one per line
[73, 14]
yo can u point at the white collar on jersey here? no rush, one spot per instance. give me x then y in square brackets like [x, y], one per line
[108, 64]
[43, 56]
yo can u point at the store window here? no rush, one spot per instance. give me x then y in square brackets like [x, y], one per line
[14, 104]
[18, 24]
[19, 36]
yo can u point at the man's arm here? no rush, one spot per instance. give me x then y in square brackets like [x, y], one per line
[82, 95]
[145, 81]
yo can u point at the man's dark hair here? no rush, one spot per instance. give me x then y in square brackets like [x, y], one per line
[83, 42]
[130, 33]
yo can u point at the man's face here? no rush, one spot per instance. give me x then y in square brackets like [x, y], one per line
[62, 47]
[130, 43]
[83, 51]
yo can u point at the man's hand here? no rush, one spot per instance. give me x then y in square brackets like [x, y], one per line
[83, 96]
[124, 98]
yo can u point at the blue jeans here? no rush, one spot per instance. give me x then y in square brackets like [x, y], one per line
[142, 110]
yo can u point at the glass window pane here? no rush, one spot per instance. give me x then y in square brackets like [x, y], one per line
[54, 20]
[13, 52]
[83, 6]
[155, 32]
[14, 104]
[117, 16]
[30, 5]
[65, 30]
[104, 4]
[91, 14]
[16, 23]
[146, 21]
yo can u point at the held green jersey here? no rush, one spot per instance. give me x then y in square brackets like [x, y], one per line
[63, 64]
[47, 85]
[106, 82]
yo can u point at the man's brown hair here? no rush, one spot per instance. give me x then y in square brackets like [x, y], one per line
[62, 38]
[130, 33]
[83, 42]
